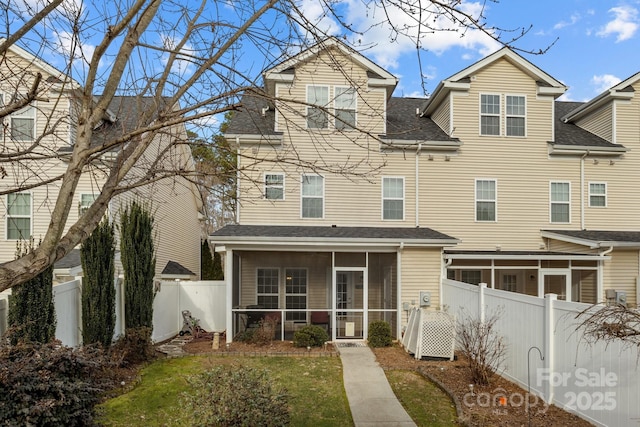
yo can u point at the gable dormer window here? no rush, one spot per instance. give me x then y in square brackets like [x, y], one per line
[345, 108]
[515, 112]
[23, 124]
[317, 117]
[513, 115]
[489, 114]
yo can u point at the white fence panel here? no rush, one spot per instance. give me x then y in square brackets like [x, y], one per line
[67, 302]
[601, 383]
[166, 311]
[207, 301]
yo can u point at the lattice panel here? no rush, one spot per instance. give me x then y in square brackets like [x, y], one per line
[437, 335]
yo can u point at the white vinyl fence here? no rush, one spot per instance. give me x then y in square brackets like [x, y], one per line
[205, 299]
[599, 382]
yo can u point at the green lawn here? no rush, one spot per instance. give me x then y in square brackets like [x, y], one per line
[426, 404]
[315, 388]
[317, 396]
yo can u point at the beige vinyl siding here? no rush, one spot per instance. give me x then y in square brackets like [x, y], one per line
[442, 115]
[621, 273]
[627, 115]
[599, 123]
[420, 271]
[559, 246]
[351, 198]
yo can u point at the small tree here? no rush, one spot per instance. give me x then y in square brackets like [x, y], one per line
[98, 293]
[139, 264]
[481, 344]
[31, 311]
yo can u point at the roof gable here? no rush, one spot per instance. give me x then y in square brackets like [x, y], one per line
[285, 71]
[462, 80]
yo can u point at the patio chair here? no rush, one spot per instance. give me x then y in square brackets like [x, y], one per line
[320, 318]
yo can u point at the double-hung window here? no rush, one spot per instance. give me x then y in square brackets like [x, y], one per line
[18, 216]
[23, 124]
[86, 200]
[312, 196]
[489, 114]
[393, 198]
[516, 115]
[296, 293]
[486, 199]
[560, 201]
[274, 186]
[317, 115]
[598, 194]
[345, 108]
[268, 287]
[473, 277]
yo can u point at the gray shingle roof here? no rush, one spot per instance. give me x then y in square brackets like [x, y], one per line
[328, 232]
[598, 236]
[403, 122]
[175, 268]
[571, 134]
[72, 259]
[248, 119]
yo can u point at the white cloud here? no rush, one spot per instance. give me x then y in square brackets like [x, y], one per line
[380, 30]
[182, 65]
[624, 25]
[604, 82]
[572, 21]
[72, 47]
[315, 14]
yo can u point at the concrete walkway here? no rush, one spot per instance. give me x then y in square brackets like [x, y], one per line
[371, 399]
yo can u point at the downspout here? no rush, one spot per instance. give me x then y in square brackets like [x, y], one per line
[443, 275]
[238, 157]
[418, 184]
[399, 285]
[582, 190]
[600, 284]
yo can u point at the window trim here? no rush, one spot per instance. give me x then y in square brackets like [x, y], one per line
[507, 115]
[302, 196]
[20, 114]
[323, 108]
[7, 216]
[266, 186]
[305, 294]
[383, 198]
[258, 294]
[494, 201]
[552, 202]
[603, 195]
[481, 114]
[81, 208]
[346, 126]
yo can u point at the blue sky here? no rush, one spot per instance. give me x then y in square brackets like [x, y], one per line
[598, 43]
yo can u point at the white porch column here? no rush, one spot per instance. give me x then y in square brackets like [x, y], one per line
[228, 278]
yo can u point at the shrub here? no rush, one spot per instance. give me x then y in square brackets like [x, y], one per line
[133, 348]
[98, 291]
[310, 336]
[235, 396]
[139, 264]
[484, 349]
[50, 384]
[265, 332]
[379, 334]
[32, 314]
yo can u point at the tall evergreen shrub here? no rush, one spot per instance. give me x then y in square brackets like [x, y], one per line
[210, 266]
[98, 291]
[32, 316]
[139, 264]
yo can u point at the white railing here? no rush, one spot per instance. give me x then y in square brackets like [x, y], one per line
[599, 382]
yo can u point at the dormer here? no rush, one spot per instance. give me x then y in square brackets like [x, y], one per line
[502, 110]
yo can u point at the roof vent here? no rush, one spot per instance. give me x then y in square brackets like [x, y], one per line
[264, 111]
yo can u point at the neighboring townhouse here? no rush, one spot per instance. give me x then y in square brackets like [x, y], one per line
[176, 202]
[491, 179]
